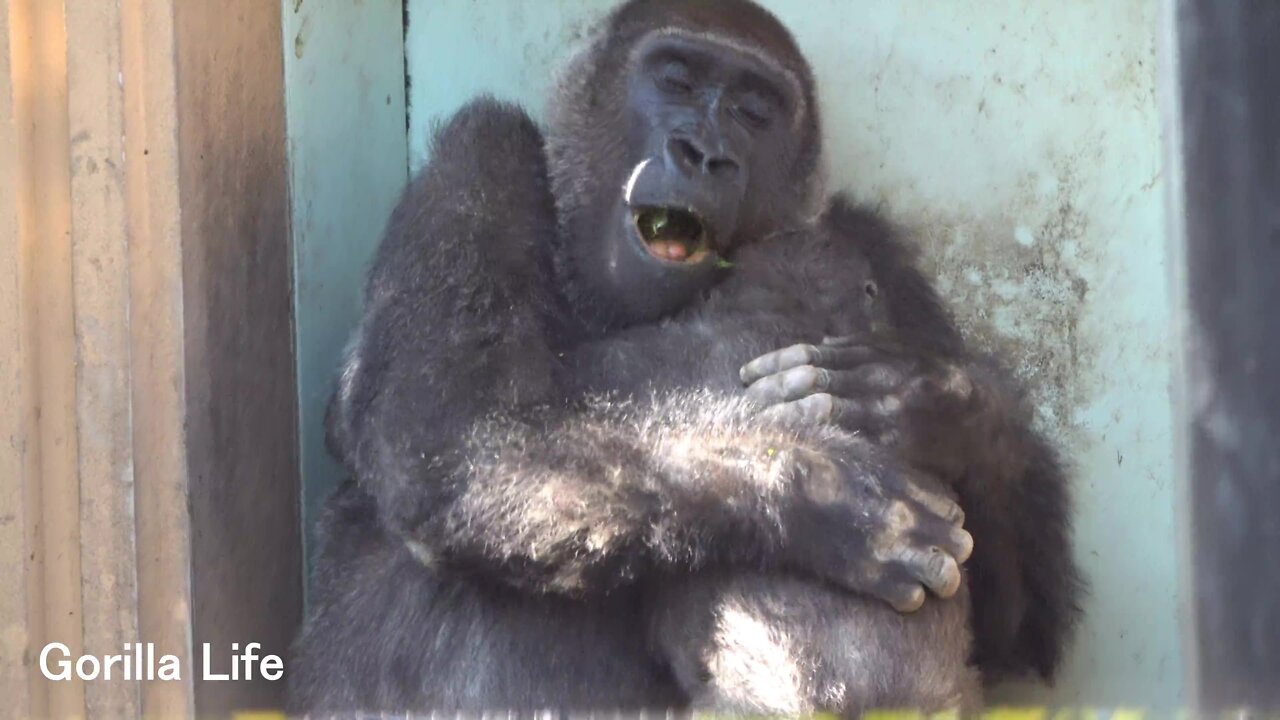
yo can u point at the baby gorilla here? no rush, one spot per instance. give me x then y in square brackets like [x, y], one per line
[779, 644]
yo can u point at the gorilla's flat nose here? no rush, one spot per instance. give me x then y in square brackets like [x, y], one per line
[693, 157]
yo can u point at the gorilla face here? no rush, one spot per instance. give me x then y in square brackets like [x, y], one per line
[706, 125]
[705, 115]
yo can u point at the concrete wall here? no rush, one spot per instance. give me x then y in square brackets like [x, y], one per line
[1019, 140]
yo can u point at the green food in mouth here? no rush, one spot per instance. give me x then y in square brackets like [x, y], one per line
[671, 233]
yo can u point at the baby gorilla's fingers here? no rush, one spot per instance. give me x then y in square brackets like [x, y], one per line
[799, 355]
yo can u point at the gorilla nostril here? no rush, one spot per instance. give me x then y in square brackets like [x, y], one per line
[685, 151]
[690, 155]
[722, 167]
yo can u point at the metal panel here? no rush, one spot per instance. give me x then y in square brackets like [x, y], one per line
[1227, 200]
[344, 70]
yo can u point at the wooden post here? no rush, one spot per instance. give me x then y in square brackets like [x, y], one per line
[148, 452]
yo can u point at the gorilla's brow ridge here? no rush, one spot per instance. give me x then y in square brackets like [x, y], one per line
[732, 43]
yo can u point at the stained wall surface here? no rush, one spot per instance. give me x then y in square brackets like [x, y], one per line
[344, 92]
[1019, 141]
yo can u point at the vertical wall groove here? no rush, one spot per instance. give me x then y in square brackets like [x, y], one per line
[100, 279]
[163, 553]
[16, 526]
[38, 44]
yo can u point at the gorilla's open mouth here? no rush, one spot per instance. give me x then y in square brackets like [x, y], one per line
[672, 234]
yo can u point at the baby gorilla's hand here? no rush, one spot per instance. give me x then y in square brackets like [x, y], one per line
[927, 409]
[865, 521]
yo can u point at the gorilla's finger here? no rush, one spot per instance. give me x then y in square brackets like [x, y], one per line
[938, 571]
[871, 419]
[800, 355]
[908, 599]
[777, 361]
[898, 587]
[961, 544]
[954, 541]
[790, 384]
[847, 340]
[870, 379]
[799, 382]
[822, 408]
[944, 507]
[813, 410]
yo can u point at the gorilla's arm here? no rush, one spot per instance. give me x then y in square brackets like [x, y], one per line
[450, 412]
[956, 414]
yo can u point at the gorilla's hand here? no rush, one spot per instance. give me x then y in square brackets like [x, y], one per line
[869, 524]
[932, 412]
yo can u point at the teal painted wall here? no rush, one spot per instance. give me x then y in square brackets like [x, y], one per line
[1018, 140]
[345, 107]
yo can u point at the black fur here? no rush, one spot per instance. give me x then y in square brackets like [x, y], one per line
[554, 510]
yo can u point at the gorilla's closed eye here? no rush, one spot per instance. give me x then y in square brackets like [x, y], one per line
[756, 109]
[674, 77]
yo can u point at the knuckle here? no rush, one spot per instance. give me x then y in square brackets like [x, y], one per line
[817, 407]
[802, 378]
[808, 374]
[822, 378]
[900, 516]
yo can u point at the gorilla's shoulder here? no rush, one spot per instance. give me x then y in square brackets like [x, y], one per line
[491, 133]
[844, 214]
[348, 526]
[478, 216]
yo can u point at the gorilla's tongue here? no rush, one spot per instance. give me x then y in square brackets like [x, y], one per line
[671, 234]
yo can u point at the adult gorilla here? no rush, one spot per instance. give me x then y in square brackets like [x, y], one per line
[563, 496]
